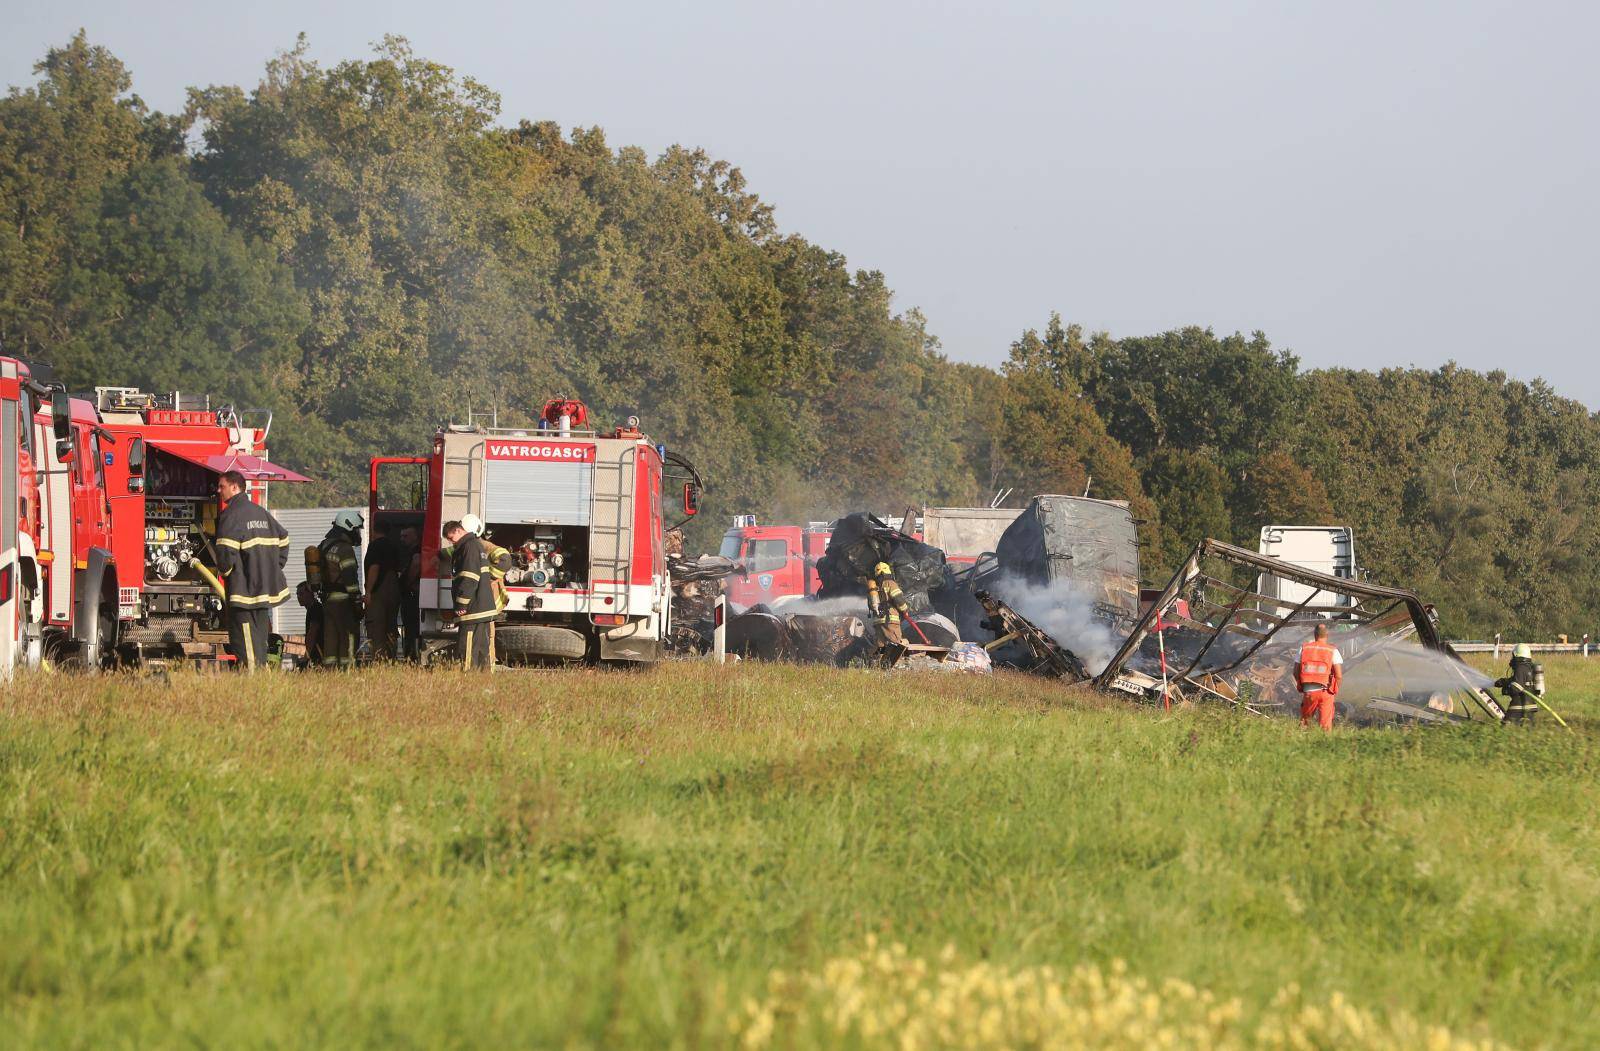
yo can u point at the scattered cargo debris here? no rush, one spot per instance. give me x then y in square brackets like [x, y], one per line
[763, 633]
[1239, 646]
[696, 583]
[1044, 655]
[861, 540]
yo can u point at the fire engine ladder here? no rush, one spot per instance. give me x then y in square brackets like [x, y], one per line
[611, 533]
[463, 480]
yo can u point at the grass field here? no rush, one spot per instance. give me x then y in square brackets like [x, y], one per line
[696, 856]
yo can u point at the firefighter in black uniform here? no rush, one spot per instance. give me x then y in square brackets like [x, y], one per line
[1523, 686]
[252, 549]
[472, 589]
[341, 591]
[888, 606]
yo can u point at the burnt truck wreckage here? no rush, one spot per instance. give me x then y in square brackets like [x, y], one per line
[1211, 635]
[1076, 543]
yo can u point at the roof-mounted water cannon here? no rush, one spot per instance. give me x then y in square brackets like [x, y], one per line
[562, 415]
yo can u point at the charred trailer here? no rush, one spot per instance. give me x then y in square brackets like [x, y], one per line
[580, 512]
[171, 451]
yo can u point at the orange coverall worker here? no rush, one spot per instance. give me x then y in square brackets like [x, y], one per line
[1318, 674]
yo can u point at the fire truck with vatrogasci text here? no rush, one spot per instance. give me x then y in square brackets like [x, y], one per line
[579, 510]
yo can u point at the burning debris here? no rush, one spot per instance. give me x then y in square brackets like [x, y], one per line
[1212, 634]
[1043, 655]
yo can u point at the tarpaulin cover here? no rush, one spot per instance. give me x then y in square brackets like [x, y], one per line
[1093, 545]
[860, 541]
[254, 468]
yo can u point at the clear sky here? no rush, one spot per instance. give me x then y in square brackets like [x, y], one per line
[1369, 183]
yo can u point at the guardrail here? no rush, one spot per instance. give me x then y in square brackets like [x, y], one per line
[1495, 648]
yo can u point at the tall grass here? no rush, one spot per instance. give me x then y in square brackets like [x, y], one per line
[589, 859]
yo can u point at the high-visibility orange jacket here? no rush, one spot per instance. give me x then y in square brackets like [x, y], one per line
[1317, 668]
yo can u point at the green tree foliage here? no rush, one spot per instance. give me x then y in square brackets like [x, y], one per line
[368, 250]
[1051, 440]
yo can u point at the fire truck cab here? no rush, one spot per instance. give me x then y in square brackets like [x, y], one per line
[57, 571]
[162, 479]
[777, 561]
[579, 510]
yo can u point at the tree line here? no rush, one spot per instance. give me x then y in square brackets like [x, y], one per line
[368, 250]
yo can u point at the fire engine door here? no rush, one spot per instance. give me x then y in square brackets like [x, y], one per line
[55, 524]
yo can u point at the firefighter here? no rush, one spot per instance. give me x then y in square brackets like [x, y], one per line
[382, 568]
[498, 559]
[1318, 674]
[252, 549]
[887, 604]
[1523, 686]
[472, 591]
[341, 591]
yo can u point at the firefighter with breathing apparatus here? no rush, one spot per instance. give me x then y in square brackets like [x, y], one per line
[888, 606]
[1523, 687]
[473, 591]
[339, 574]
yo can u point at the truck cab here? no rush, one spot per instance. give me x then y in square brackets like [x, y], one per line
[778, 561]
[1324, 549]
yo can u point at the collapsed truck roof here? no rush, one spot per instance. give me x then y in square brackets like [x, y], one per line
[1232, 644]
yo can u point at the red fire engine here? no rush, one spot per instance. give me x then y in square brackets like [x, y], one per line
[778, 561]
[57, 571]
[580, 512]
[164, 508]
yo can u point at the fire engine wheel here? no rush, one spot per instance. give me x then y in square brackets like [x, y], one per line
[521, 643]
[93, 652]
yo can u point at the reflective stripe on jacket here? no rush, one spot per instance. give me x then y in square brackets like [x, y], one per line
[341, 581]
[472, 582]
[1316, 665]
[252, 549]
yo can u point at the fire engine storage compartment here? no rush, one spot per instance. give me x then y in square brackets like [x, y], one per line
[581, 515]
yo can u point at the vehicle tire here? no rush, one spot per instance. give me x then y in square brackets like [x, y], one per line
[518, 643]
[96, 649]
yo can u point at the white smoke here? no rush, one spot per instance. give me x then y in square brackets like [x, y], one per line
[1066, 613]
[1382, 666]
[843, 606]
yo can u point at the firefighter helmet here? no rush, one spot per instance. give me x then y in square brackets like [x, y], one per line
[472, 524]
[1522, 649]
[349, 521]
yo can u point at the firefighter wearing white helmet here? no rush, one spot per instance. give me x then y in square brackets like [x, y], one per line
[1523, 687]
[341, 591]
[472, 591]
[496, 561]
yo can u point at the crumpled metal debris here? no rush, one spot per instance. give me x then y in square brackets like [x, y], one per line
[696, 583]
[860, 541]
[1212, 635]
[1024, 645]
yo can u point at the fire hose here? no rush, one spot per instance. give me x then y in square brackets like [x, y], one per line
[1541, 703]
[210, 578]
